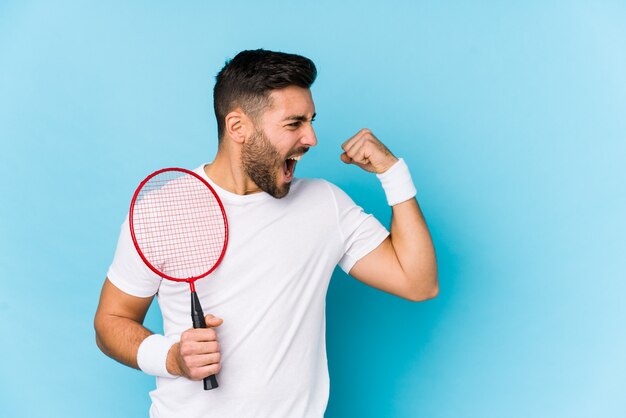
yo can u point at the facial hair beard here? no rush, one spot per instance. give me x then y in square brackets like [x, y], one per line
[261, 161]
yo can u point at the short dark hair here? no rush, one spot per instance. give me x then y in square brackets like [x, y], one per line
[247, 80]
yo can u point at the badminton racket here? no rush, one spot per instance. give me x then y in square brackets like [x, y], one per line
[179, 228]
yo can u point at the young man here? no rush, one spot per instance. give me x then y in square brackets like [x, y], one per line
[266, 300]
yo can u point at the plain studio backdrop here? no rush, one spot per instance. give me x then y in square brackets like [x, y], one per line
[512, 118]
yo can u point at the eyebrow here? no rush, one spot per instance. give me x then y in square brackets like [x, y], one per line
[299, 118]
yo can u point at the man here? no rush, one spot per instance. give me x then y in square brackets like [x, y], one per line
[266, 335]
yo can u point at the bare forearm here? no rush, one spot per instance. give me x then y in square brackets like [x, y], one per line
[404, 264]
[414, 248]
[119, 333]
[118, 324]
[119, 338]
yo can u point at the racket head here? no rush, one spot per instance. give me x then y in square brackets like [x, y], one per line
[178, 225]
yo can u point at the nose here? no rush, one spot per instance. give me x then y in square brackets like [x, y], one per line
[309, 138]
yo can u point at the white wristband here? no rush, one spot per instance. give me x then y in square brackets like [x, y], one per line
[152, 355]
[397, 183]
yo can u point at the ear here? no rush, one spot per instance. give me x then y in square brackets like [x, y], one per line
[238, 126]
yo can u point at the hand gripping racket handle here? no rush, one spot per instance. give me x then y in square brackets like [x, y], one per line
[197, 316]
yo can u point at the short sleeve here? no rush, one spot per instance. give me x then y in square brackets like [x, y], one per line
[360, 232]
[128, 272]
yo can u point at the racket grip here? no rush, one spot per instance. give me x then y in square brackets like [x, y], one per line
[197, 317]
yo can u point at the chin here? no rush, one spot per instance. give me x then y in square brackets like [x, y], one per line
[280, 192]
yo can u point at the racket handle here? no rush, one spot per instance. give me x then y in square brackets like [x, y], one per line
[197, 316]
[210, 382]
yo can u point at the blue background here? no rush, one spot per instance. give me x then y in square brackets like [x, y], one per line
[512, 118]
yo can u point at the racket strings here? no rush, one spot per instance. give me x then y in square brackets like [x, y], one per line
[179, 225]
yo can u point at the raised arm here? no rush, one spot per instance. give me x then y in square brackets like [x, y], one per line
[404, 264]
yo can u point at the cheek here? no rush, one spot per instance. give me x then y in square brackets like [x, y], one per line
[282, 144]
[288, 140]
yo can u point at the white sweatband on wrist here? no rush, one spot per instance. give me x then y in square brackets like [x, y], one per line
[397, 183]
[152, 355]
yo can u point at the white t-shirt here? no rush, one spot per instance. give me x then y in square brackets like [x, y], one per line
[270, 289]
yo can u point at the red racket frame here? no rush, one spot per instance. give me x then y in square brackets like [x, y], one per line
[189, 280]
[197, 315]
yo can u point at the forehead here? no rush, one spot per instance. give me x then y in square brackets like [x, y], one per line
[288, 102]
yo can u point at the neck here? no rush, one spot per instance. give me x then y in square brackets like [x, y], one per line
[227, 172]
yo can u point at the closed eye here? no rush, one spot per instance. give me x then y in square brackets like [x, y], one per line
[297, 120]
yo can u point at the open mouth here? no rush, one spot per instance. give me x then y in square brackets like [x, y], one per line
[290, 166]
